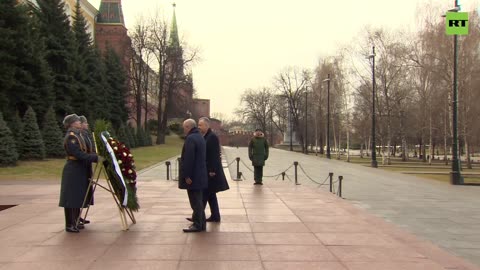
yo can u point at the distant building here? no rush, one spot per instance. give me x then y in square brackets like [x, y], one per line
[88, 11]
[110, 31]
[200, 108]
[183, 92]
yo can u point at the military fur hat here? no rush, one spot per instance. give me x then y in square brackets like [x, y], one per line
[83, 119]
[70, 119]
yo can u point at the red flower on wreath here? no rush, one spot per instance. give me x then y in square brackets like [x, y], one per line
[125, 161]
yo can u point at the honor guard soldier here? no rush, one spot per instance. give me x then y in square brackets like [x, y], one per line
[74, 186]
[90, 146]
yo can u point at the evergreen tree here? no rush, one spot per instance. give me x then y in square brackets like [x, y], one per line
[8, 151]
[140, 137]
[131, 136]
[33, 147]
[16, 126]
[101, 107]
[52, 135]
[60, 52]
[148, 138]
[122, 135]
[83, 99]
[31, 84]
[9, 17]
[117, 79]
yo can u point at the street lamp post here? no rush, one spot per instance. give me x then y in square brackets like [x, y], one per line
[306, 115]
[328, 115]
[455, 176]
[374, 153]
[290, 109]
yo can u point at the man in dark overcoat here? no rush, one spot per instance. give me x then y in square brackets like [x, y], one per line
[258, 153]
[74, 187]
[193, 173]
[216, 177]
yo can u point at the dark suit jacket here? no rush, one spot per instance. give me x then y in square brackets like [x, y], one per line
[218, 182]
[192, 162]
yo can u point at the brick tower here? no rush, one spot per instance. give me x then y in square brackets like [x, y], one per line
[110, 31]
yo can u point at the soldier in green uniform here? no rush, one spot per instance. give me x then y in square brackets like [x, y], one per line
[74, 186]
[258, 153]
[89, 143]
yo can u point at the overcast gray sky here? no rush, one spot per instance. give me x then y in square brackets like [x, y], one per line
[244, 43]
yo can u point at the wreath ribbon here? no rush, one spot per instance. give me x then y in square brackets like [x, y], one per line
[117, 169]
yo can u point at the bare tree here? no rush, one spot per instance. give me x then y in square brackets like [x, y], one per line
[256, 107]
[171, 62]
[139, 68]
[291, 84]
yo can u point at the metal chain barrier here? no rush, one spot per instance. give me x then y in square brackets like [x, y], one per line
[230, 164]
[338, 192]
[268, 176]
[305, 173]
[278, 174]
[246, 166]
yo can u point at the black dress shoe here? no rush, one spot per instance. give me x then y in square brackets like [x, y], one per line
[80, 226]
[72, 229]
[84, 221]
[192, 228]
[189, 219]
[210, 219]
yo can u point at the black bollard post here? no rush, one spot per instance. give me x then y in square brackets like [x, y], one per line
[283, 176]
[239, 175]
[168, 169]
[331, 180]
[296, 174]
[340, 178]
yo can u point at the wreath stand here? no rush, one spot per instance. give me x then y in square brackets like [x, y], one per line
[92, 185]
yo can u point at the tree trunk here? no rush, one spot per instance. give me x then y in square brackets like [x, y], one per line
[430, 156]
[160, 129]
[348, 140]
[405, 147]
[404, 139]
[467, 148]
[145, 97]
[320, 140]
[334, 134]
[389, 139]
[367, 146]
[382, 150]
[445, 137]
[424, 150]
[339, 143]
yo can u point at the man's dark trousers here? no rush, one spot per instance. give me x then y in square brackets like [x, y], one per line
[258, 173]
[211, 198]
[196, 202]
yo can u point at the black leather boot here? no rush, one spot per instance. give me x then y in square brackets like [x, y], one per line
[69, 220]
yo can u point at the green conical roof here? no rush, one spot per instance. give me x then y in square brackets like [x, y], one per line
[174, 40]
[111, 12]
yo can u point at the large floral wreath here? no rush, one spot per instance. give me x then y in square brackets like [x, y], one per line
[120, 169]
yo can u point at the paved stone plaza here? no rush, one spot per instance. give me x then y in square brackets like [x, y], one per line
[275, 226]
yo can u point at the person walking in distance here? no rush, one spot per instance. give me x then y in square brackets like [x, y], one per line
[216, 177]
[193, 173]
[258, 153]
